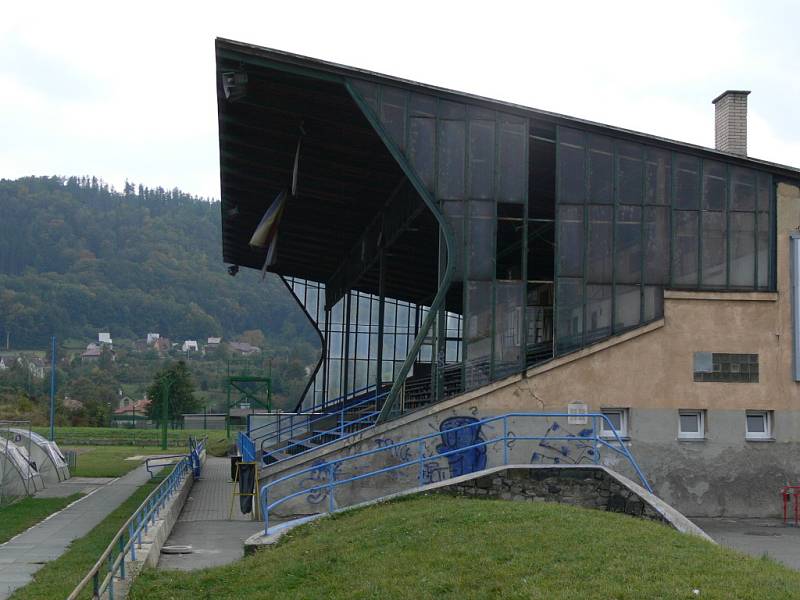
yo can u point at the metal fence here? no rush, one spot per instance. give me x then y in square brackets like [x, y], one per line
[324, 475]
[124, 545]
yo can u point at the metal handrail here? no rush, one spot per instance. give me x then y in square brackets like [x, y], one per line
[342, 422]
[137, 523]
[330, 466]
[339, 430]
[308, 421]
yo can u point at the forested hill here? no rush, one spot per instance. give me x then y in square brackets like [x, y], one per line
[77, 258]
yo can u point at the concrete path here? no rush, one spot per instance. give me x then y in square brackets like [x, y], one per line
[756, 537]
[73, 485]
[204, 525]
[23, 555]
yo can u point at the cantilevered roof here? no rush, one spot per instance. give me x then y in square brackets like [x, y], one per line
[346, 172]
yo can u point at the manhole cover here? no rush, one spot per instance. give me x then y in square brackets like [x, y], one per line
[176, 550]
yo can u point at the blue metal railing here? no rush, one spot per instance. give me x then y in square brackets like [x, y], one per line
[330, 468]
[343, 430]
[303, 422]
[128, 540]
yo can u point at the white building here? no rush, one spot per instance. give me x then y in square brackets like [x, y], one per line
[189, 345]
[152, 338]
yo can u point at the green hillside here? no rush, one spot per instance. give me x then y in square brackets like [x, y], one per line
[77, 258]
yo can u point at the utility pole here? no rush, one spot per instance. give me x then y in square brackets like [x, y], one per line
[53, 389]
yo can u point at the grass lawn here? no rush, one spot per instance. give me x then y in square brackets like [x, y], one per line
[58, 578]
[16, 518]
[131, 437]
[109, 461]
[444, 547]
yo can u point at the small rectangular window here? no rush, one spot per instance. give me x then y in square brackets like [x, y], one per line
[691, 424]
[618, 419]
[758, 425]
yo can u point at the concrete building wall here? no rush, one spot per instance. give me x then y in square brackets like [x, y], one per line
[650, 372]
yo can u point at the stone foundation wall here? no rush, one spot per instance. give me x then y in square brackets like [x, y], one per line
[586, 487]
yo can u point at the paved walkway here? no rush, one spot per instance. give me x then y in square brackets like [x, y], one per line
[23, 555]
[756, 537]
[204, 524]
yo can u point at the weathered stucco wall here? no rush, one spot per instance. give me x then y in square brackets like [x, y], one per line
[649, 371]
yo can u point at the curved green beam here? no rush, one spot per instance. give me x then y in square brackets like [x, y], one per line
[444, 284]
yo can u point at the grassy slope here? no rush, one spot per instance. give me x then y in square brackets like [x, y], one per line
[58, 578]
[442, 547]
[16, 518]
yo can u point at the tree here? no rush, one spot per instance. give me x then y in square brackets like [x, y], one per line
[181, 392]
[254, 337]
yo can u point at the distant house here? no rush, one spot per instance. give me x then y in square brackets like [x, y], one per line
[92, 353]
[243, 348]
[105, 338]
[131, 411]
[189, 345]
[152, 338]
[3, 365]
[162, 344]
[214, 342]
[36, 367]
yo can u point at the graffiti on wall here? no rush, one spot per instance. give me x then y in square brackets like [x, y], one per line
[318, 479]
[402, 452]
[576, 449]
[459, 433]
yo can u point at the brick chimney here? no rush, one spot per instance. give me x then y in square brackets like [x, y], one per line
[730, 122]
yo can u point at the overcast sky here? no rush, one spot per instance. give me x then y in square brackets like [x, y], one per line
[126, 90]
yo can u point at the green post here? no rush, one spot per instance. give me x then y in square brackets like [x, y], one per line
[164, 412]
[228, 411]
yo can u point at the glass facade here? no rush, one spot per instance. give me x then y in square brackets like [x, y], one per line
[562, 236]
[351, 343]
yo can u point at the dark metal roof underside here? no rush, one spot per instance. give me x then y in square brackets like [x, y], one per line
[346, 175]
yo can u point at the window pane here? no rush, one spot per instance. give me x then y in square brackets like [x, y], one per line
[570, 241]
[569, 326]
[601, 165]
[481, 240]
[684, 260]
[628, 245]
[658, 179]
[509, 248]
[615, 417]
[742, 249]
[481, 159]
[627, 307]
[687, 180]
[714, 255]
[690, 423]
[598, 256]
[756, 424]
[714, 185]
[508, 328]
[542, 184]
[764, 191]
[452, 137]
[656, 244]
[598, 312]
[421, 146]
[393, 114]
[572, 167]
[743, 189]
[630, 173]
[512, 174]
[763, 249]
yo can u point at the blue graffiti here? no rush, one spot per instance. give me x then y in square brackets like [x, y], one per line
[466, 461]
[575, 450]
[319, 477]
